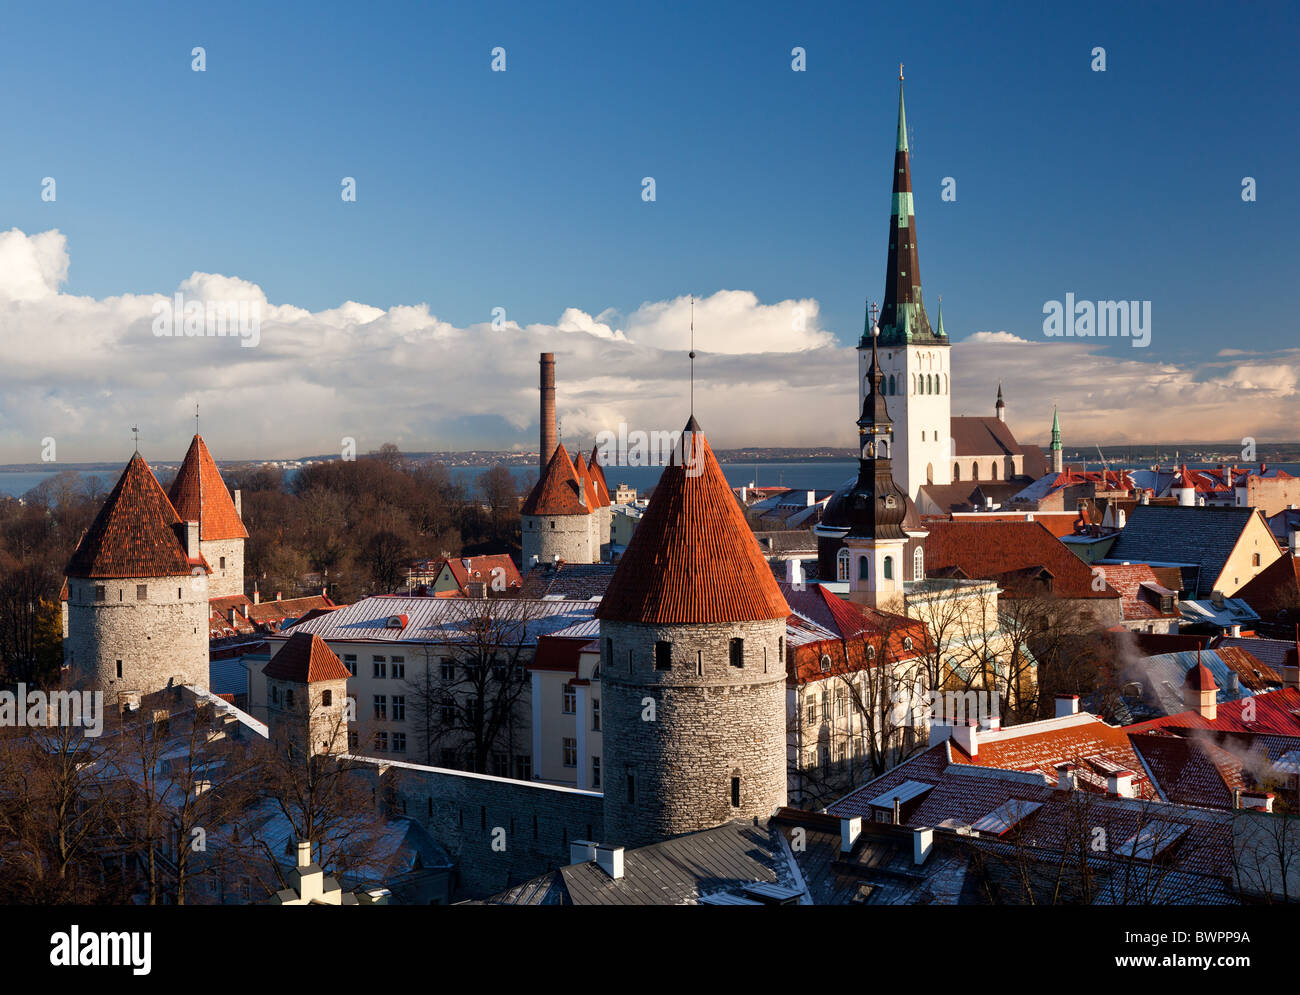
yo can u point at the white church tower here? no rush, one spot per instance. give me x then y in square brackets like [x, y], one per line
[914, 358]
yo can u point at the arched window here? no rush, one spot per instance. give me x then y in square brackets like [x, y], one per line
[996, 471]
[842, 565]
[891, 384]
[889, 568]
[945, 383]
[929, 473]
[913, 383]
[918, 564]
[882, 448]
[864, 569]
[956, 472]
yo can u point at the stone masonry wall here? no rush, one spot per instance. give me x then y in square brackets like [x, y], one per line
[231, 581]
[573, 539]
[162, 637]
[703, 730]
[501, 831]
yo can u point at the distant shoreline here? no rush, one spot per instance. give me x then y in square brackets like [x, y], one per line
[1189, 452]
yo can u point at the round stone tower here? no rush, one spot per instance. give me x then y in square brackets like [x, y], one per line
[199, 495]
[137, 594]
[559, 518]
[692, 636]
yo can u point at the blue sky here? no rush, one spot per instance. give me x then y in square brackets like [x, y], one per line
[522, 189]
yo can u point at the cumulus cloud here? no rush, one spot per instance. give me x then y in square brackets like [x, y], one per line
[83, 370]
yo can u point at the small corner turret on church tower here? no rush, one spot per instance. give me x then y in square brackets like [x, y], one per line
[1000, 408]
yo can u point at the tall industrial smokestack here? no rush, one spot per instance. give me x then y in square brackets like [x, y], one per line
[548, 410]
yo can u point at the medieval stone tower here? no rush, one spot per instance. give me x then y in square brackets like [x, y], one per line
[692, 634]
[307, 693]
[199, 495]
[137, 594]
[560, 519]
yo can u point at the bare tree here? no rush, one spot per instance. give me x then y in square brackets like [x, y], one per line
[476, 708]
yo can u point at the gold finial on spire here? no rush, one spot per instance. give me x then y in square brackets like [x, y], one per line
[900, 72]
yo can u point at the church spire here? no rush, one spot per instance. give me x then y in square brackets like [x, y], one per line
[902, 316]
[1058, 454]
[1000, 409]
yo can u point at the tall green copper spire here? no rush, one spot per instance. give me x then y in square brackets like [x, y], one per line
[1058, 454]
[901, 145]
[902, 315]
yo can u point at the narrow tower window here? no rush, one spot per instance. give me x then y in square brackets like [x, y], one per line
[663, 655]
[863, 568]
[735, 792]
[737, 652]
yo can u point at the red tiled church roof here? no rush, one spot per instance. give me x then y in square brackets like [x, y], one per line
[199, 495]
[305, 658]
[134, 534]
[693, 557]
[557, 492]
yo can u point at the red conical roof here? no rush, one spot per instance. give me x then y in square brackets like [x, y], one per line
[1199, 677]
[590, 490]
[305, 658]
[133, 535]
[693, 557]
[199, 495]
[598, 475]
[557, 492]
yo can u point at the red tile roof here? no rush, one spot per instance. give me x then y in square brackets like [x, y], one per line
[590, 492]
[1085, 740]
[989, 550]
[1140, 590]
[199, 495]
[305, 658]
[1276, 713]
[557, 492]
[134, 534]
[1190, 771]
[598, 476]
[693, 557]
[466, 570]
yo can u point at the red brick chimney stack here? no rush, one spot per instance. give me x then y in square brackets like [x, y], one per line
[548, 441]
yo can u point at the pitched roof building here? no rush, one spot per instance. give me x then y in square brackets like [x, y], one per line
[1219, 549]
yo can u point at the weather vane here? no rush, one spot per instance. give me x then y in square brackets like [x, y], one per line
[135, 431]
[872, 309]
[900, 72]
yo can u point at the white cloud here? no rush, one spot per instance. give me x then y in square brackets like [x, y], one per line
[83, 370]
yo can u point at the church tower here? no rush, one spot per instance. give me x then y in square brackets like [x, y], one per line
[914, 357]
[1058, 454]
[692, 663]
[876, 507]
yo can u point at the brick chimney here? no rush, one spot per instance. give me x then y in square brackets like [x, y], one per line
[547, 386]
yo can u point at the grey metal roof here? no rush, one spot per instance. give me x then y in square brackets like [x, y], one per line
[704, 867]
[444, 620]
